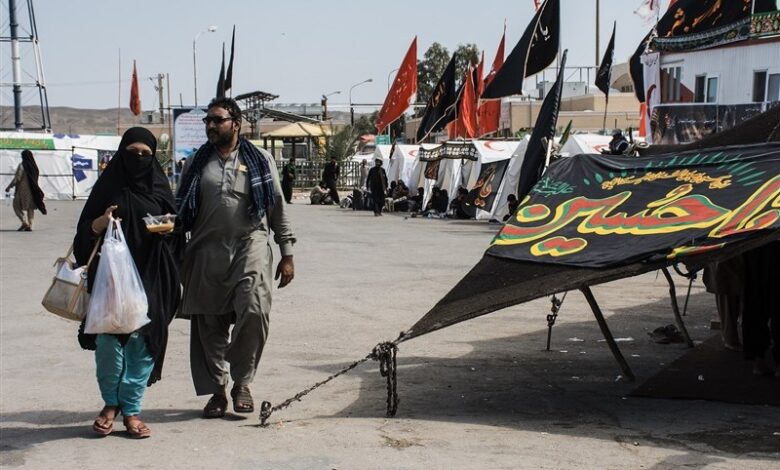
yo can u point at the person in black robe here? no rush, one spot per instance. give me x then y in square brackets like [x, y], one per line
[28, 195]
[376, 182]
[132, 186]
[330, 174]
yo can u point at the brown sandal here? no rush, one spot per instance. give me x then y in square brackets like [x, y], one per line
[216, 407]
[136, 428]
[242, 399]
[104, 424]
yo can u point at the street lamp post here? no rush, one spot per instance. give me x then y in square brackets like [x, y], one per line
[324, 103]
[351, 109]
[388, 77]
[210, 29]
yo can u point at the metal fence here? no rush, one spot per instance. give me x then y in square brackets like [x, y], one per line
[309, 173]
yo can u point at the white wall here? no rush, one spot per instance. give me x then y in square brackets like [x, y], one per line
[733, 65]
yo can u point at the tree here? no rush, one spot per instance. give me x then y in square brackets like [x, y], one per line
[430, 69]
[341, 143]
[465, 54]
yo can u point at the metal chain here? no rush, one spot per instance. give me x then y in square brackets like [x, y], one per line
[385, 353]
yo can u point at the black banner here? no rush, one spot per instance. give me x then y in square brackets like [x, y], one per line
[535, 51]
[451, 150]
[442, 99]
[680, 124]
[602, 211]
[483, 194]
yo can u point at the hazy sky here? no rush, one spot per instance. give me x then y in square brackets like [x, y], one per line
[296, 49]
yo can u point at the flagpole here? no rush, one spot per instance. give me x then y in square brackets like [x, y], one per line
[598, 25]
[119, 93]
[606, 106]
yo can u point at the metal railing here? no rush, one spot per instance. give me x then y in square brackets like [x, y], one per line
[309, 173]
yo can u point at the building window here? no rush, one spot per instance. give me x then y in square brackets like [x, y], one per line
[671, 84]
[701, 85]
[773, 88]
[712, 90]
[759, 86]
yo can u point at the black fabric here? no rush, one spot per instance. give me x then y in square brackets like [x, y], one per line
[761, 313]
[444, 97]
[221, 78]
[602, 211]
[483, 194]
[543, 133]
[534, 52]
[691, 17]
[604, 73]
[762, 128]
[137, 185]
[229, 74]
[31, 173]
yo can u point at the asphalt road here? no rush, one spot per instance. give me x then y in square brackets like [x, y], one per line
[481, 394]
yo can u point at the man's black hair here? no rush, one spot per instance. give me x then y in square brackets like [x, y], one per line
[229, 105]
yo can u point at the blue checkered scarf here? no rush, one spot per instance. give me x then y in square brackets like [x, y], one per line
[260, 181]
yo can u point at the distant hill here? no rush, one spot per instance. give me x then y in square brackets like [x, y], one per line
[67, 120]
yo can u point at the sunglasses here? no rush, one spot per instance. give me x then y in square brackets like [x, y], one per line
[215, 119]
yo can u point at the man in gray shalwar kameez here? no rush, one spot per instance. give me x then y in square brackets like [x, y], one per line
[228, 205]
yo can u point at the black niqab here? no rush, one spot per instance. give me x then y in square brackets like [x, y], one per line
[31, 173]
[137, 185]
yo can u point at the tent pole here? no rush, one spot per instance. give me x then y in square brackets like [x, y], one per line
[607, 334]
[676, 309]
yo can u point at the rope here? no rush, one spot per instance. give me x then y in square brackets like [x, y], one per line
[385, 353]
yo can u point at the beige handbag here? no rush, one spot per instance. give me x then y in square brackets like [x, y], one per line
[68, 296]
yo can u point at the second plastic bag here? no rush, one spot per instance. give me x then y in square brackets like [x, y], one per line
[118, 302]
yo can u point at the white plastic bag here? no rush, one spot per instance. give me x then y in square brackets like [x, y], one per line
[118, 302]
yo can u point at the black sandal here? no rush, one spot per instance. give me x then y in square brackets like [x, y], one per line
[242, 399]
[216, 407]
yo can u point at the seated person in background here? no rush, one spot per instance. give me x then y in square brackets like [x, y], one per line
[618, 145]
[441, 202]
[434, 196]
[391, 188]
[513, 204]
[400, 197]
[320, 195]
[415, 202]
[458, 205]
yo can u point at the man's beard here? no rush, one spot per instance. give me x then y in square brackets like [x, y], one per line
[220, 139]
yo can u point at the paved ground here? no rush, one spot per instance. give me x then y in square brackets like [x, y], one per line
[482, 394]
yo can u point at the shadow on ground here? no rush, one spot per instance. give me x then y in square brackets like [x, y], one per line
[576, 389]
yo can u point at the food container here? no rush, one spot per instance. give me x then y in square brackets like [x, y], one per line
[159, 223]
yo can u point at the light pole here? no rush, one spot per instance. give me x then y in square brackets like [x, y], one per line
[388, 77]
[351, 109]
[211, 29]
[324, 103]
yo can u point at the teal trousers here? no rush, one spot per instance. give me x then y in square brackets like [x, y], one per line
[123, 371]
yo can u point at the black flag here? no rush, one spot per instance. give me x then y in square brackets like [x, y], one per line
[533, 53]
[229, 74]
[221, 79]
[544, 132]
[444, 97]
[604, 74]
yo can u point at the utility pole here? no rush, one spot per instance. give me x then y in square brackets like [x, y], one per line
[159, 88]
[598, 20]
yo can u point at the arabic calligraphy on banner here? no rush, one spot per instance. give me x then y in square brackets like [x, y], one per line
[599, 211]
[483, 194]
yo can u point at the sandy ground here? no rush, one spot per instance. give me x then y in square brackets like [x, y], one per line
[481, 394]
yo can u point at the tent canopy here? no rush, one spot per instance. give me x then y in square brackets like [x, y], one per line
[299, 130]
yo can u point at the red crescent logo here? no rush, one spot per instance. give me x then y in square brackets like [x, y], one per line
[489, 144]
[413, 153]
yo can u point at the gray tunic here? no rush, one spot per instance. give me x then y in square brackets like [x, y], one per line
[228, 260]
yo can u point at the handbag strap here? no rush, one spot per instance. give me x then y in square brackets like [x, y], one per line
[70, 252]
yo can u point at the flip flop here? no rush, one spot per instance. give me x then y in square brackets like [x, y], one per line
[136, 428]
[104, 425]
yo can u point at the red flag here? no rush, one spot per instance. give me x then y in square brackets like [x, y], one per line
[468, 107]
[402, 92]
[479, 86]
[135, 95]
[490, 111]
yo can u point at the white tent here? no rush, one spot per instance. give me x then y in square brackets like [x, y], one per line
[489, 151]
[67, 164]
[511, 178]
[402, 163]
[585, 143]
